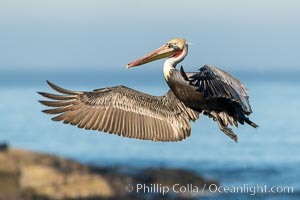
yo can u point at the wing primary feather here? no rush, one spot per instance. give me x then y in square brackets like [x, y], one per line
[69, 116]
[98, 119]
[147, 127]
[126, 125]
[113, 121]
[58, 103]
[78, 117]
[60, 117]
[62, 90]
[152, 128]
[129, 124]
[104, 119]
[134, 125]
[57, 97]
[92, 120]
[119, 125]
[57, 110]
[137, 125]
[158, 130]
[164, 131]
[107, 119]
[88, 118]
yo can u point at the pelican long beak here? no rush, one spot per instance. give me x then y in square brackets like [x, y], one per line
[162, 52]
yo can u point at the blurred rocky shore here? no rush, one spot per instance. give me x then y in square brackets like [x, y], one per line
[30, 175]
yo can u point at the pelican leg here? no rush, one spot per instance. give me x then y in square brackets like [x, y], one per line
[222, 127]
[227, 131]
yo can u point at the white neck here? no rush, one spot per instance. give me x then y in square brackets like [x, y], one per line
[170, 63]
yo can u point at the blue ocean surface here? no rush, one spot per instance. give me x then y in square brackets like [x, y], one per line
[267, 156]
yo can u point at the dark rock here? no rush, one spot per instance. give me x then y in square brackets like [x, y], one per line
[28, 175]
[3, 147]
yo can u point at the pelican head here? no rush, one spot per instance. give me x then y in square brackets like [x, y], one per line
[175, 49]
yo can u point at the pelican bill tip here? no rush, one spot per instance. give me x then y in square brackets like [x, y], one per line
[128, 66]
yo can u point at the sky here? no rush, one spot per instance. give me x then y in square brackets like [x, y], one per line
[69, 34]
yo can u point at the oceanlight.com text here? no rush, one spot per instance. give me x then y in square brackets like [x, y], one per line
[161, 189]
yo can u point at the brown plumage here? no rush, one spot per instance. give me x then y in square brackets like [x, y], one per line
[123, 111]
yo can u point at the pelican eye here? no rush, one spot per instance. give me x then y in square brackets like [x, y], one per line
[174, 46]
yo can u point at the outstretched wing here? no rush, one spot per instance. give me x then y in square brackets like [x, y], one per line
[123, 111]
[216, 83]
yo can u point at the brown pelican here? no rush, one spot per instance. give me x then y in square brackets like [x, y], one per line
[123, 111]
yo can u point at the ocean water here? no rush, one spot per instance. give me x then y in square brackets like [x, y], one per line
[267, 156]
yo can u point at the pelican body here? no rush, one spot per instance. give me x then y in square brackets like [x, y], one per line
[130, 113]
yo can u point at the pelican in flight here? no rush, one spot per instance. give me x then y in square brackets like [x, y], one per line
[124, 111]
